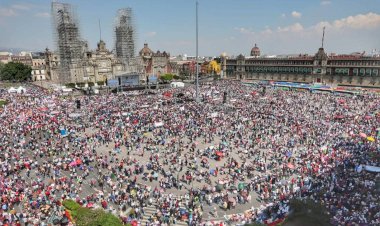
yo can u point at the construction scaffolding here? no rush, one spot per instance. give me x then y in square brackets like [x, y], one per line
[125, 35]
[70, 46]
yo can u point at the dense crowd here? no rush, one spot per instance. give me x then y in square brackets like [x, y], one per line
[201, 163]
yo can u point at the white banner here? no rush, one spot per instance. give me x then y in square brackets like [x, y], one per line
[214, 114]
[158, 124]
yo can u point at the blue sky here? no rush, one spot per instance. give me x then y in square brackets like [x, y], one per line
[231, 26]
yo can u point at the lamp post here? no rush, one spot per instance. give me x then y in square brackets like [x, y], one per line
[196, 54]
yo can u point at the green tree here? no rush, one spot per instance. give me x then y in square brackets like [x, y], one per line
[90, 217]
[1, 67]
[166, 77]
[307, 212]
[14, 71]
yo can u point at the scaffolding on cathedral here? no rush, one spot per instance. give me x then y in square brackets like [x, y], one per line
[125, 34]
[70, 46]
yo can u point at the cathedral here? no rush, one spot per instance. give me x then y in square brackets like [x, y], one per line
[98, 66]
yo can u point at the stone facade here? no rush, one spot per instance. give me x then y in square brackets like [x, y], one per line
[101, 64]
[358, 70]
[155, 63]
[38, 66]
[96, 66]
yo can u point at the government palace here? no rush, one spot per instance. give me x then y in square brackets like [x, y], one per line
[354, 69]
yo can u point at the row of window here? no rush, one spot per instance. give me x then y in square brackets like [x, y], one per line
[355, 71]
[38, 72]
[353, 63]
[348, 63]
[300, 70]
[276, 62]
[308, 70]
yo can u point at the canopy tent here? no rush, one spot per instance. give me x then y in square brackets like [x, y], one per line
[12, 90]
[177, 84]
[21, 89]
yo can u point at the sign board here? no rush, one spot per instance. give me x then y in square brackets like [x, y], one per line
[113, 83]
[153, 79]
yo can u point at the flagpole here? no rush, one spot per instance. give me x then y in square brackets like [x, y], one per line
[196, 54]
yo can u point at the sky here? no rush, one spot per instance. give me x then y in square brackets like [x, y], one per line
[230, 26]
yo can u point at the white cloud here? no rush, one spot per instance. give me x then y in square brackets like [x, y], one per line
[267, 31]
[324, 3]
[243, 30]
[297, 27]
[7, 12]
[43, 15]
[360, 21]
[21, 6]
[151, 34]
[366, 21]
[296, 14]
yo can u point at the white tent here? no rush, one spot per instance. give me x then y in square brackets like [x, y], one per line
[177, 84]
[21, 90]
[12, 90]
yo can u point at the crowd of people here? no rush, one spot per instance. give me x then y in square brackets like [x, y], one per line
[236, 156]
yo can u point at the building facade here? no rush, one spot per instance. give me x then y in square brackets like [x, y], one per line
[155, 63]
[98, 66]
[102, 65]
[38, 66]
[358, 70]
[27, 60]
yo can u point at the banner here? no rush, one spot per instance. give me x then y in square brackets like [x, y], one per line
[158, 124]
[373, 169]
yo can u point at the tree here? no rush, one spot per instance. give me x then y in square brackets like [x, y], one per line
[213, 67]
[85, 216]
[166, 77]
[307, 212]
[14, 71]
[1, 67]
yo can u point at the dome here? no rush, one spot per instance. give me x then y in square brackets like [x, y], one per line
[145, 51]
[224, 54]
[255, 51]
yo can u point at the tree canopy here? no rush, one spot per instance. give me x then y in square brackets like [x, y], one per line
[14, 71]
[166, 77]
[94, 217]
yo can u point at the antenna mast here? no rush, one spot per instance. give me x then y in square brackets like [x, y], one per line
[323, 36]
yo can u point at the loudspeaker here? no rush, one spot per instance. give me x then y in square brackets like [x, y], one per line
[78, 103]
[224, 97]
